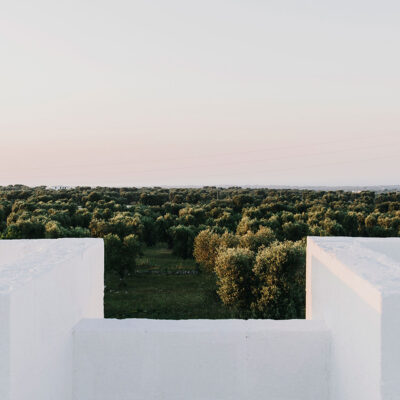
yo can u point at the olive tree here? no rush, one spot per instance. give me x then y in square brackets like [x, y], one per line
[280, 275]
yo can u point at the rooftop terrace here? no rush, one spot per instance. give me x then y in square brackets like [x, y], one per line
[55, 344]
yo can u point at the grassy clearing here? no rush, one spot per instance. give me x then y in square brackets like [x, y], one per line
[159, 259]
[165, 287]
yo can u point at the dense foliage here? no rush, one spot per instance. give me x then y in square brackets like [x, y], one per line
[251, 239]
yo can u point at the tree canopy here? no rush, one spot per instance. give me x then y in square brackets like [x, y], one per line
[252, 240]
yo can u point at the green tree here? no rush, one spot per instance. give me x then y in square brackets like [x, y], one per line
[182, 240]
[253, 241]
[120, 255]
[294, 230]
[235, 277]
[206, 245]
[280, 275]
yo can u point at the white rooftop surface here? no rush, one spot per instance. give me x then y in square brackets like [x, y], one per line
[21, 261]
[375, 260]
[233, 325]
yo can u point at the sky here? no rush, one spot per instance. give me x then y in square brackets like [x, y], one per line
[211, 92]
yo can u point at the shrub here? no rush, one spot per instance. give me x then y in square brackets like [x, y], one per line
[294, 230]
[280, 274]
[206, 245]
[235, 277]
[182, 240]
[253, 241]
[120, 255]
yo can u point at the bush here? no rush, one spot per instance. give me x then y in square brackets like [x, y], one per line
[294, 230]
[120, 255]
[270, 284]
[182, 240]
[206, 245]
[54, 230]
[235, 277]
[280, 274]
[253, 241]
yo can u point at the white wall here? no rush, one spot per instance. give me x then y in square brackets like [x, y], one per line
[55, 344]
[353, 285]
[46, 287]
[4, 347]
[201, 360]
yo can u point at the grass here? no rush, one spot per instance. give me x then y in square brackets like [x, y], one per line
[159, 259]
[164, 287]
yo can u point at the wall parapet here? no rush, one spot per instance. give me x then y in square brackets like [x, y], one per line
[201, 359]
[353, 285]
[55, 343]
[47, 287]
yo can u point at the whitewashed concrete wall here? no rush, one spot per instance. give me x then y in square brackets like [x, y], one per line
[201, 360]
[353, 285]
[55, 344]
[46, 288]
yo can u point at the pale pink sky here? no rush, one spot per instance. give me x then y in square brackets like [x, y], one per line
[195, 93]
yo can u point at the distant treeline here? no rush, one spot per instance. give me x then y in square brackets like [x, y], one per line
[251, 239]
